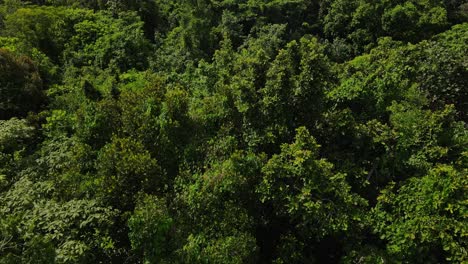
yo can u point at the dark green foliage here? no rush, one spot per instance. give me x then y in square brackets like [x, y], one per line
[150, 227]
[285, 131]
[21, 88]
[123, 168]
[221, 205]
[16, 140]
[106, 41]
[307, 198]
[361, 23]
[47, 230]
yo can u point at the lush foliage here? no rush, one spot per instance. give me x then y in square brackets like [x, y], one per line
[285, 131]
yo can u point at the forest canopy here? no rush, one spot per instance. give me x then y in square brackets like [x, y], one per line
[221, 131]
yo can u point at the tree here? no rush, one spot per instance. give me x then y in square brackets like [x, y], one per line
[217, 211]
[361, 23]
[42, 230]
[247, 131]
[20, 86]
[125, 168]
[150, 226]
[308, 199]
[422, 219]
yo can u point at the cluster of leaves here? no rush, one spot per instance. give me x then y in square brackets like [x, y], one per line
[285, 131]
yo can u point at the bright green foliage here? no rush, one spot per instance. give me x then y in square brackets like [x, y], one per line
[425, 219]
[247, 131]
[371, 87]
[394, 108]
[154, 13]
[360, 23]
[202, 24]
[34, 223]
[295, 86]
[106, 41]
[226, 91]
[254, 87]
[436, 135]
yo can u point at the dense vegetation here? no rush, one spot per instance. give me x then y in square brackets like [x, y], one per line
[222, 131]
